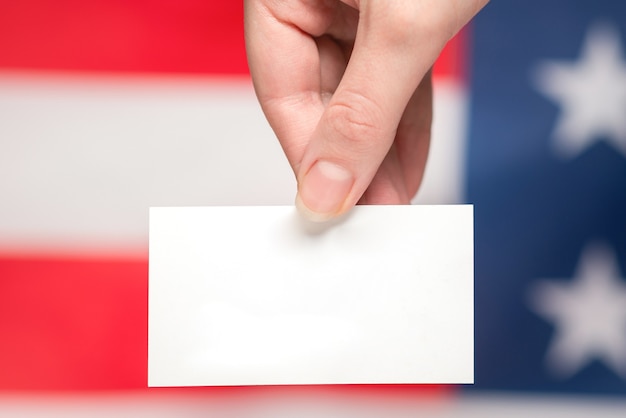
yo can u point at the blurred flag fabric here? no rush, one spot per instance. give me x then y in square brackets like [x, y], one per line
[109, 107]
[546, 169]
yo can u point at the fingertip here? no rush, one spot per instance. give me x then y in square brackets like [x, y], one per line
[323, 190]
[310, 215]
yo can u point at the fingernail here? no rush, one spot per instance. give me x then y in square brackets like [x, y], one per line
[323, 191]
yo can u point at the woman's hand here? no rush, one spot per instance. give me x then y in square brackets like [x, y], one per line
[346, 87]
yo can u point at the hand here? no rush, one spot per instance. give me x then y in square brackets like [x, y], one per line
[346, 87]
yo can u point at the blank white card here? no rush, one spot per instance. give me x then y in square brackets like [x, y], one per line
[258, 296]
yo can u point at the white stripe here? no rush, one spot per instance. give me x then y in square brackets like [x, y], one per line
[260, 404]
[445, 170]
[83, 157]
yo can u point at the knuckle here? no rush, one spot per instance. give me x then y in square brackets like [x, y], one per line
[357, 121]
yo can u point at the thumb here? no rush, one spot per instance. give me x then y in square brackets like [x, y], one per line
[390, 57]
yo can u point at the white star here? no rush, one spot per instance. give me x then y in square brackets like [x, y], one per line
[589, 315]
[591, 93]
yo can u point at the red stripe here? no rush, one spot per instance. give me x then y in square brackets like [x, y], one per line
[197, 36]
[184, 36]
[453, 60]
[73, 324]
[81, 324]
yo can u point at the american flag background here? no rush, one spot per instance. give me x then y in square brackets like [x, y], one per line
[108, 107]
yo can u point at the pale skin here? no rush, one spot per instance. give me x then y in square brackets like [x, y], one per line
[346, 87]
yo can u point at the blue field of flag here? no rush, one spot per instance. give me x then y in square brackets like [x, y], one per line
[547, 175]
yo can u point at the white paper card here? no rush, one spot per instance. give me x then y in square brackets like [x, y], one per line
[258, 296]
